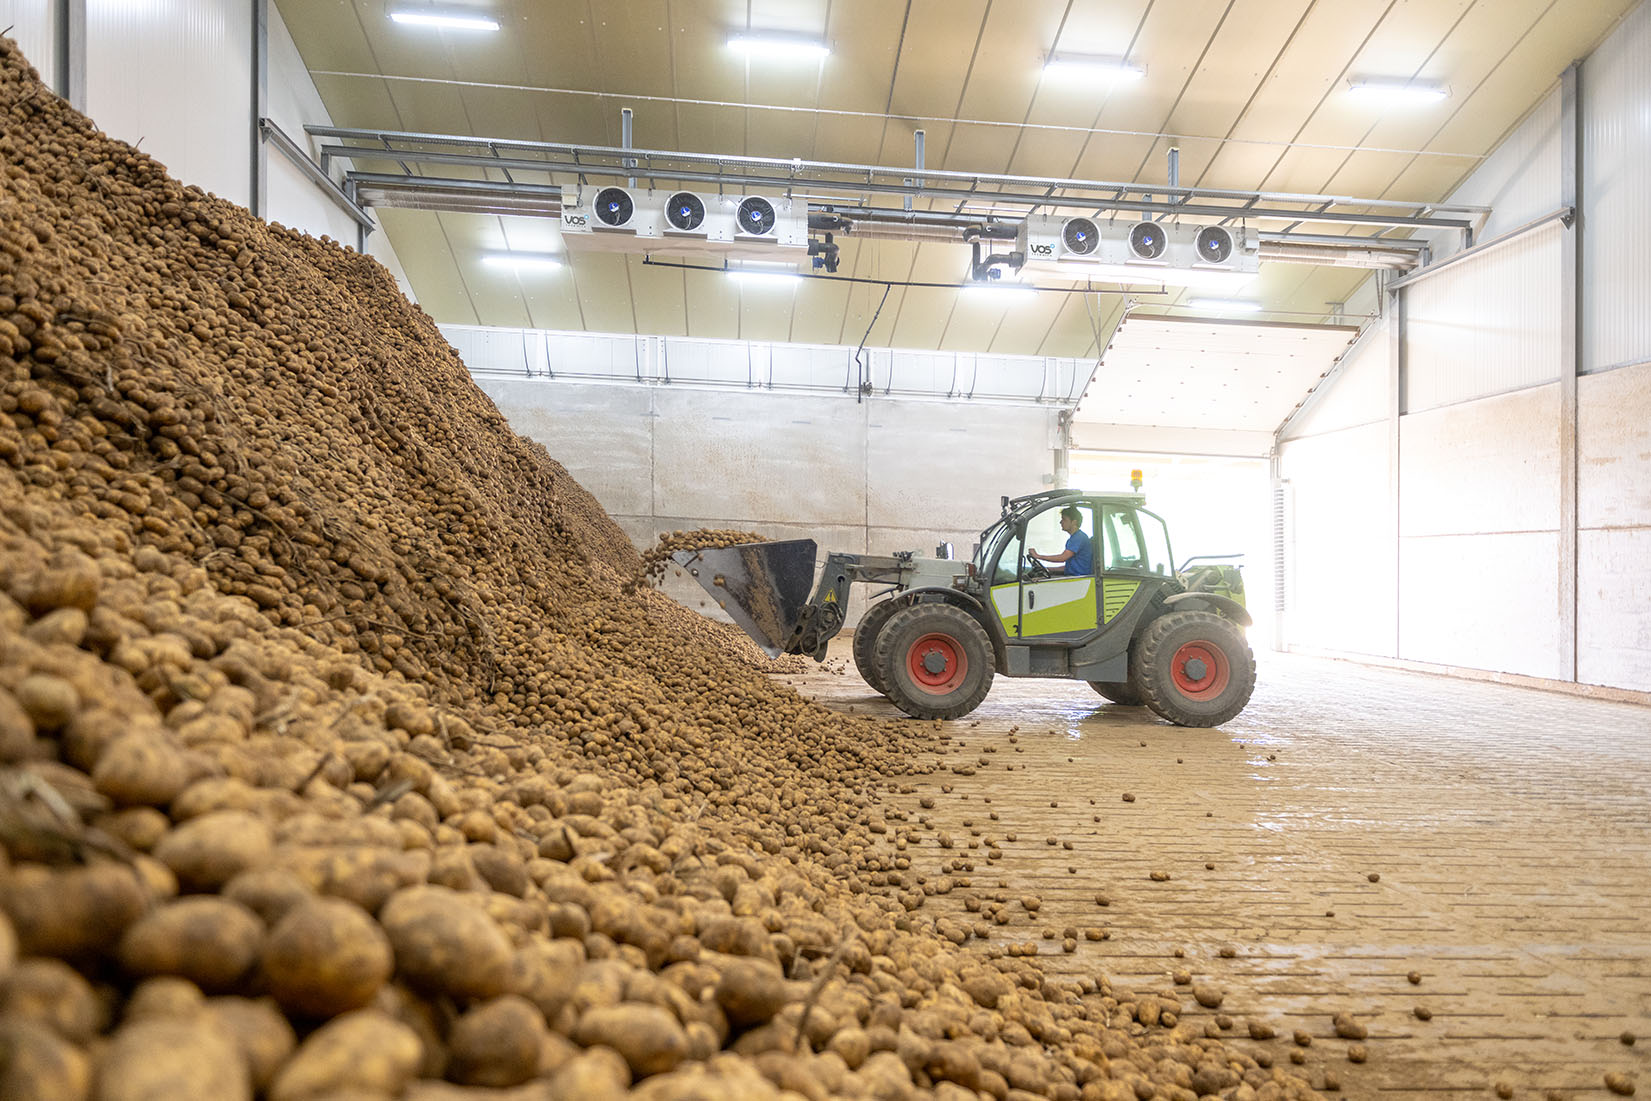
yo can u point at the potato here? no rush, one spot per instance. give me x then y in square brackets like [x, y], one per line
[364, 876]
[47, 700]
[497, 1043]
[54, 994]
[446, 945]
[326, 956]
[71, 913]
[37, 1064]
[268, 892]
[172, 1057]
[16, 729]
[364, 1051]
[752, 991]
[207, 852]
[141, 768]
[164, 996]
[258, 1029]
[599, 1074]
[208, 940]
[650, 1038]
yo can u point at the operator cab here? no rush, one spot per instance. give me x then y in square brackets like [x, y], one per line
[1034, 601]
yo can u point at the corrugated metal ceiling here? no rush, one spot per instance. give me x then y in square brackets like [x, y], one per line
[1254, 93]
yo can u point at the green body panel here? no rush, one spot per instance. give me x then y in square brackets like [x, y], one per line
[1115, 593]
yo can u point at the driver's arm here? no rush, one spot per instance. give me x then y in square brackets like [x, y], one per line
[1061, 557]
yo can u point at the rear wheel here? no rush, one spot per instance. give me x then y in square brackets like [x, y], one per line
[865, 642]
[1117, 692]
[1193, 668]
[935, 659]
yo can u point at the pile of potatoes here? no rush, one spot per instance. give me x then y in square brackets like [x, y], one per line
[657, 558]
[339, 758]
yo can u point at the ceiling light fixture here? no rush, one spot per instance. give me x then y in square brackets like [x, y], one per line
[523, 261]
[1092, 68]
[446, 20]
[1225, 305]
[1205, 278]
[765, 271]
[778, 45]
[1394, 90]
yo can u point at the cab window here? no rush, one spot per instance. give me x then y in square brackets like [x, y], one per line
[1136, 541]
[1045, 535]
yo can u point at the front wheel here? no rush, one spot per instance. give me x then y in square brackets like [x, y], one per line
[936, 661]
[865, 643]
[1193, 668]
[1117, 692]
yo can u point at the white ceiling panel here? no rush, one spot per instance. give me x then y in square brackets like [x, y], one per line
[1171, 373]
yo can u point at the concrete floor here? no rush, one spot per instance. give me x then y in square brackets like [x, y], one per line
[1510, 829]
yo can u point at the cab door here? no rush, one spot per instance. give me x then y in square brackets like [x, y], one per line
[1058, 607]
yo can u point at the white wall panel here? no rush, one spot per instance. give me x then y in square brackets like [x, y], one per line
[1616, 140]
[1479, 525]
[1482, 467]
[1487, 325]
[1358, 394]
[174, 78]
[33, 26]
[1483, 601]
[1614, 537]
[1520, 179]
[1340, 559]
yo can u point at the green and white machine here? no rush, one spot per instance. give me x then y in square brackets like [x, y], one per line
[1136, 628]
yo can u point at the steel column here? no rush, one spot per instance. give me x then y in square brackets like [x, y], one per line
[257, 179]
[1570, 357]
[1398, 358]
[71, 53]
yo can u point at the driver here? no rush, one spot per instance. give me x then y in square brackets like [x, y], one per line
[1078, 559]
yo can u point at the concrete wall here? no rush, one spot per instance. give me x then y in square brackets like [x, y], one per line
[876, 476]
[1478, 511]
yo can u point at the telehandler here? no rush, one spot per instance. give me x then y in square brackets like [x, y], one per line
[1136, 628]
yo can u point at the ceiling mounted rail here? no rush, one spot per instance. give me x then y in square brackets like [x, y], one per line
[975, 195]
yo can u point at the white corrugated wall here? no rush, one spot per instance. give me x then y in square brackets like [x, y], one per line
[1616, 197]
[1487, 325]
[1520, 178]
[174, 77]
[1357, 393]
[33, 25]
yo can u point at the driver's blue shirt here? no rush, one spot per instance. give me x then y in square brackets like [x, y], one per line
[1082, 561]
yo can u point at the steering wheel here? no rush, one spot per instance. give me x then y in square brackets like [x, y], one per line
[1032, 569]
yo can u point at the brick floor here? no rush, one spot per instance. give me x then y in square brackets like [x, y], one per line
[1510, 829]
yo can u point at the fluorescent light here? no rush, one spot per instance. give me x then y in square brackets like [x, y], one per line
[1092, 68]
[1392, 90]
[1225, 305]
[765, 271]
[523, 261]
[447, 20]
[1150, 273]
[778, 45]
[999, 292]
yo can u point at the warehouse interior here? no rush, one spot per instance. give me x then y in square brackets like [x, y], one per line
[433, 427]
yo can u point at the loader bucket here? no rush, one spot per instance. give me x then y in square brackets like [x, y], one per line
[763, 586]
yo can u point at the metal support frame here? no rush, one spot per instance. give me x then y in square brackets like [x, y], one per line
[257, 179]
[979, 192]
[1565, 214]
[71, 53]
[289, 149]
[1570, 356]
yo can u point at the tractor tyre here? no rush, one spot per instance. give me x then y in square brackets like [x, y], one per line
[935, 659]
[1193, 668]
[1118, 692]
[865, 643]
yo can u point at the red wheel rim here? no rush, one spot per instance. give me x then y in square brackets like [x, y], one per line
[1197, 683]
[943, 652]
